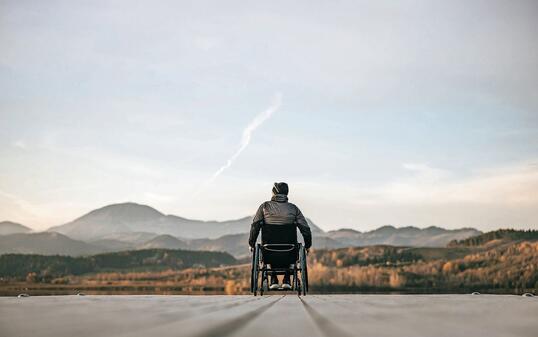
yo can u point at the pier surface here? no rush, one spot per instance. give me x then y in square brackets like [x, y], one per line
[276, 315]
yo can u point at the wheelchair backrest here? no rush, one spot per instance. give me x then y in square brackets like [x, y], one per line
[279, 244]
[279, 234]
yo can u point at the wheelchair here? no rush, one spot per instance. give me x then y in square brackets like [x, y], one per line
[278, 254]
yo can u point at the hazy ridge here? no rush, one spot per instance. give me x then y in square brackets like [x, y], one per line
[131, 226]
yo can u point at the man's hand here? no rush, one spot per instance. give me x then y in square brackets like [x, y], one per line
[251, 249]
[307, 251]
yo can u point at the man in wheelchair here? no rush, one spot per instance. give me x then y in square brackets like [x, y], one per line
[278, 220]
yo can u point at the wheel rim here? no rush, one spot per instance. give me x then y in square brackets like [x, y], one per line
[304, 281]
[255, 272]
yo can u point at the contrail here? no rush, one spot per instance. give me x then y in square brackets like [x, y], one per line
[247, 135]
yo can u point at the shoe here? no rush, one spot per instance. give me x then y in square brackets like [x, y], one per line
[274, 284]
[286, 283]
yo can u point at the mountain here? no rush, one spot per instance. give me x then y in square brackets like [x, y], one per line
[128, 237]
[165, 241]
[45, 243]
[111, 245]
[498, 236]
[322, 241]
[235, 244]
[111, 219]
[8, 227]
[345, 236]
[130, 226]
[131, 217]
[403, 236]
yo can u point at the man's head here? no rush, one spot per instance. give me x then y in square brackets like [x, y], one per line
[280, 188]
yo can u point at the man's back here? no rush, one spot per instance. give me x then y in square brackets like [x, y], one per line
[278, 211]
[280, 220]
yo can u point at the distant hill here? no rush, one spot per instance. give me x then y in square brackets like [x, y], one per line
[385, 255]
[324, 241]
[506, 268]
[235, 244]
[46, 243]
[129, 237]
[362, 256]
[345, 236]
[131, 217]
[165, 241]
[47, 267]
[111, 245]
[403, 236]
[497, 235]
[130, 226]
[8, 227]
[51, 243]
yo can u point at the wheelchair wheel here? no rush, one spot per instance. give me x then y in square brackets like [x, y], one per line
[295, 278]
[252, 271]
[255, 271]
[304, 271]
[265, 283]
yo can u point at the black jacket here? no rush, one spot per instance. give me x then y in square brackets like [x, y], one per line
[279, 211]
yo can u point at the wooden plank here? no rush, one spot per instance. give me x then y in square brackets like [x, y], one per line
[105, 315]
[429, 315]
[277, 315]
[286, 318]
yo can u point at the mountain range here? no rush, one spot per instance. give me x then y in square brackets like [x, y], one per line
[403, 236]
[131, 226]
[131, 217]
[8, 227]
[46, 243]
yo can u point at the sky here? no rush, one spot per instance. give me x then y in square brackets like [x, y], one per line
[375, 112]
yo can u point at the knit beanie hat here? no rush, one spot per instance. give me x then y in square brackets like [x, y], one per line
[280, 188]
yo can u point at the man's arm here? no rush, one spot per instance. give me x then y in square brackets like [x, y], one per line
[304, 229]
[255, 227]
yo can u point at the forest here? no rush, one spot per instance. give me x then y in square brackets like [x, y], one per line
[502, 262]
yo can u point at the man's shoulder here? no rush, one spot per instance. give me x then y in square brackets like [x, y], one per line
[292, 205]
[274, 202]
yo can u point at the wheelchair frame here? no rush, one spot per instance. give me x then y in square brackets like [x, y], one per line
[260, 271]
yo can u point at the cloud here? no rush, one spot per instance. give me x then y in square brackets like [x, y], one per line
[151, 198]
[21, 144]
[29, 213]
[426, 173]
[13, 208]
[514, 185]
[488, 198]
[247, 135]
